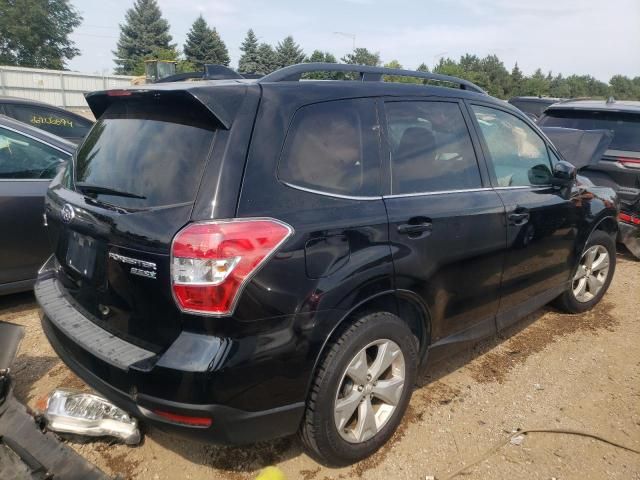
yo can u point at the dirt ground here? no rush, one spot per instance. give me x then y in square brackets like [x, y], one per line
[550, 371]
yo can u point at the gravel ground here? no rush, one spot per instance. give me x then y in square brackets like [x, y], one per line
[549, 371]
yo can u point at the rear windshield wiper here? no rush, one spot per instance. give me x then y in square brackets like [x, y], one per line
[89, 188]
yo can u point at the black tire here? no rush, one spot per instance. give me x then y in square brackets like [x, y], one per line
[568, 301]
[318, 431]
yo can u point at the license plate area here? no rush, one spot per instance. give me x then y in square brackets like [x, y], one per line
[81, 254]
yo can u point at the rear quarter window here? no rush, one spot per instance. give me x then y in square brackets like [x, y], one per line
[333, 148]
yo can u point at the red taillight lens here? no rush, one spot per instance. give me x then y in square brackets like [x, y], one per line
[212, 261]
[625, 217]
[629, 162]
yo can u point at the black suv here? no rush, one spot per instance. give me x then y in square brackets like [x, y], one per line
[533, 106]
[619, 167]
[240, 260]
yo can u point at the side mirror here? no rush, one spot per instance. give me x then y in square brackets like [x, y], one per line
[564, 173]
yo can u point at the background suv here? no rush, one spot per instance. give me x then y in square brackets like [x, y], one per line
[239, 260]
[619, 167]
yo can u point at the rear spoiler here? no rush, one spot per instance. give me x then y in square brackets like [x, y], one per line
[582, 148]
[222, 101]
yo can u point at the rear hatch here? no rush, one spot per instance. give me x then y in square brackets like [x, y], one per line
[619, 167]
[113, 214]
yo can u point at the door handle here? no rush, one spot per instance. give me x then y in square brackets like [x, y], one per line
[414, 229]
[518, 219]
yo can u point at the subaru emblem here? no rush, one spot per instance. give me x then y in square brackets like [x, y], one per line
[67, 213]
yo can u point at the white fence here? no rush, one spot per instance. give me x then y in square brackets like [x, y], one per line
[60, 88]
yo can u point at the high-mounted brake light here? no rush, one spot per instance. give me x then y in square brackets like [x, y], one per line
[118, 93]
[211, 262]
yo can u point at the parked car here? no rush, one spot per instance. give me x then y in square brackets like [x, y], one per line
[533, 106]
[52, 119]
[29, 159]
[619, 167]
[240, 260]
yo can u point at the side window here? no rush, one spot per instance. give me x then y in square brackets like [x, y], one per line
[518, 155]
[52, 121]
[24, 158]
[431, 149]
[334, 147]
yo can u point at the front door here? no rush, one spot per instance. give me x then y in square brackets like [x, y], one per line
[445, 223]
[541, 219]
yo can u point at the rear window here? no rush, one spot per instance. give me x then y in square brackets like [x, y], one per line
[625, 126]
[156, 150]
[333, 147]
[53, 121]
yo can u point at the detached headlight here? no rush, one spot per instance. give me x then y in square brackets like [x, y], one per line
[70, 411]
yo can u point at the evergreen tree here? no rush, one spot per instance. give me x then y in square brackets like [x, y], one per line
[248, 62]
[35, 33]
[423, 67]
[288, 52]
[362, 56]
[322, 57]
[266, 59]
[517, 79]
[143, 32]
[204, 45]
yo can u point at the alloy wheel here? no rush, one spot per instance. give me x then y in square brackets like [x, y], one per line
[591, 274]
[369, 391]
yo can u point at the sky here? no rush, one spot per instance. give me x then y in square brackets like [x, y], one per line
[596, 37]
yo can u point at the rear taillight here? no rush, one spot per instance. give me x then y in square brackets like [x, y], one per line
[627, 218]
[629, 162]
[211, 262]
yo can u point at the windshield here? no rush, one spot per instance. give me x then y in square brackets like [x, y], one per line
[625, 126]
[155, 152]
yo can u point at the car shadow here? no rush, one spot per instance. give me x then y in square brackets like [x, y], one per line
[17, 303]
[250, 458]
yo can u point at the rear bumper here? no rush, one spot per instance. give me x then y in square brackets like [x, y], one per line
[127, 386]
[629, 235]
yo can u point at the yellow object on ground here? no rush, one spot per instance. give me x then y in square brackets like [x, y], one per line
[271, 473]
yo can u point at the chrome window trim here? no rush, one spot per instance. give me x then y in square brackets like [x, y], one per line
[524, 187]
[26, 179]
[440, 192]
[328, 194]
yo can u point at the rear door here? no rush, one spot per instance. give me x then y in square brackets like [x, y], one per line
[542, 220]
[445, 222]
[26, 168]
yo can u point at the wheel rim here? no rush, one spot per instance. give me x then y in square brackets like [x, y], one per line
[369, 391]
[592, 273]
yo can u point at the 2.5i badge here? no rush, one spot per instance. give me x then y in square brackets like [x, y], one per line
[141, 268]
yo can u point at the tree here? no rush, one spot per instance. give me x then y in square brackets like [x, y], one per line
[266, 59]
[517, 80]
[143, 32]
[423, 67]
[623, 88]
[248, 62]
[321, 57]
[495, 75]
[204, 45]
[362, 56]
[35, 33]
[288, 52]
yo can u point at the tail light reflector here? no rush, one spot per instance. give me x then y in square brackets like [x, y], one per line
[212, 261]
[625, 217]
[184, 419]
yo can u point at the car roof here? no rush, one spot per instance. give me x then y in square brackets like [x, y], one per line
[38, 134]
[630, 106]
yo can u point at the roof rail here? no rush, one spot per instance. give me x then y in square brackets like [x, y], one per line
[293, 73]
